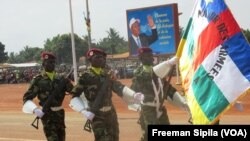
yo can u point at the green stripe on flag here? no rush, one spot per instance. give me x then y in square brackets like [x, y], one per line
[190, 22]
[208, 95]
[184, 37]
[189, 46]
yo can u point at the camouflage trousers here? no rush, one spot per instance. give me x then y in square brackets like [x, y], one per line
[54, 126]
[149, 117]
[105, 126]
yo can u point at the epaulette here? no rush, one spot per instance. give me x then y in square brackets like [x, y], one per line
[36, 79]
[137, 70]
[38, 76]
[88, 73]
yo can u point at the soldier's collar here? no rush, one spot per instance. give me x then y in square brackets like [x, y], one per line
[147, 68]
[51, 75]
[98, 71]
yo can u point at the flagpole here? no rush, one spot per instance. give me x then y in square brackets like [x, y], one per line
[88, 28]
[177, 64]
[73, 43]
[177, 74]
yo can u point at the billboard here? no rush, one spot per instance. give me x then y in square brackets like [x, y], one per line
[156, 27]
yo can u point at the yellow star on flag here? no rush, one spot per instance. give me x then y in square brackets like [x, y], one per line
[208, 1]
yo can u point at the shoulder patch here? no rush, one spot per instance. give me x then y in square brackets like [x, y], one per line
[138, 70]
[38, 76]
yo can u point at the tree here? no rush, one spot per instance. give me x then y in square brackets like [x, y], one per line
[12, 58]
[113, 44]
[3, 55]
[247, 34]
[61, 46]
[28, 54]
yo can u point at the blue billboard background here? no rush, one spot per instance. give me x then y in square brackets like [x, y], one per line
[164, 20]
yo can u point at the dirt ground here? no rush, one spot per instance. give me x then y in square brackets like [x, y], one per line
[15, 125]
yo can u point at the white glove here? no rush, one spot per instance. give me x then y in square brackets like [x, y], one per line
[89, 115]
[173, 60]
[38, 112]
[238, 105]
[134, 107]
[138, 97]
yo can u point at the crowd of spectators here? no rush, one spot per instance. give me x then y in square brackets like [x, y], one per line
[12, 76]
[25, 75]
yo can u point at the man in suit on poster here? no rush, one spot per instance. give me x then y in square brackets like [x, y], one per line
[138, 39]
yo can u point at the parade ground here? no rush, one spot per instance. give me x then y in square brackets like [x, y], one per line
[16, 126]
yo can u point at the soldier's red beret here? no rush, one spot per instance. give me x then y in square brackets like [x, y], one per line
[47, 55]
[143, 50]
[95, 51]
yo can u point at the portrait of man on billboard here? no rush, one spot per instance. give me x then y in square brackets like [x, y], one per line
[156, 27]
[138, 39]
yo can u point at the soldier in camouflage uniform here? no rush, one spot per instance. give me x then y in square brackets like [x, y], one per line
[97, 83]
[42, 87]
[152, 83]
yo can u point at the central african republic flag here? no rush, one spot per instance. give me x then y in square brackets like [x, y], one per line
[214, 61]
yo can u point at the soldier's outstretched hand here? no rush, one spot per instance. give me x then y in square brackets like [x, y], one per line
[173, 61]
[38, 112]
[138, 97]
[89, 115]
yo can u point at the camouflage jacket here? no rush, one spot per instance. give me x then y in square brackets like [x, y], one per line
[90, 83]
[42, 87]
[142, 82]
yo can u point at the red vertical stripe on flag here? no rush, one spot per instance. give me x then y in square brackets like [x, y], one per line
[214, 35]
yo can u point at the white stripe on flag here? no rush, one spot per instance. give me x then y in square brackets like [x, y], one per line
[199, 22]
[230, 80]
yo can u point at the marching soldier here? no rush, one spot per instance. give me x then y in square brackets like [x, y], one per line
[151, 81]
[50, 90]
[97, 83]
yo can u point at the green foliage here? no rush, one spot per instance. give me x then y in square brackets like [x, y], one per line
[61, 46]
[247, 34]
[12, 58]
[113, 44]
[29, 54]
[3, 55]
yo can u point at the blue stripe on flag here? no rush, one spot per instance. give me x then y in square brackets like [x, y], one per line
[239, 51]
[215, 7]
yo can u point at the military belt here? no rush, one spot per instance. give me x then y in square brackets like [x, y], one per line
[105, 108]
[58, 108]
[151, 104]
